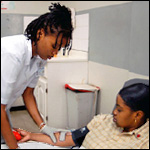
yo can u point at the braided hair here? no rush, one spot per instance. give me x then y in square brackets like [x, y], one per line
[57, 20]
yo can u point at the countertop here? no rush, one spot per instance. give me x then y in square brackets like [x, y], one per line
[74, 56]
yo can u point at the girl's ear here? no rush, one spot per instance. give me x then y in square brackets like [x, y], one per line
[40, 33]
[139, 114]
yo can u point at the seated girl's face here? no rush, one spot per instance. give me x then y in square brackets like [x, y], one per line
[123, 116]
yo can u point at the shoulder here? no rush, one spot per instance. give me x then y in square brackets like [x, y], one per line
[99, 119]
[16, 45]
[145, 145]
[13, 38]
[103, 117]
[144, 132]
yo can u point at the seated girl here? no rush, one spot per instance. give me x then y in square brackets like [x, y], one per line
[126, 128]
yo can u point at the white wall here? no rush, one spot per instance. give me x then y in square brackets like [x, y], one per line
[84, 5]
[29, 7]
[40, 7]
[110, 80]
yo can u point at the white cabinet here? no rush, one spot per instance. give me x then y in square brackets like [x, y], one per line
[52, 102]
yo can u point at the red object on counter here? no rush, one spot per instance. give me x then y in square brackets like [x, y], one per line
[17, 135]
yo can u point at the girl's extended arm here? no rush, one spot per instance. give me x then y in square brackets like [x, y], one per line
[39, 137]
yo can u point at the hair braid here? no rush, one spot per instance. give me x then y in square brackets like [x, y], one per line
[59, 18]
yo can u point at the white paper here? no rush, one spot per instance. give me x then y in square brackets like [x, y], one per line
[34, 145]
[83, 87]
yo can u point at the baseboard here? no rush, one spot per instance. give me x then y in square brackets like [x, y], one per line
[18, 108]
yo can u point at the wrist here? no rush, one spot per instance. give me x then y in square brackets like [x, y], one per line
[41, 125]
[31, 136]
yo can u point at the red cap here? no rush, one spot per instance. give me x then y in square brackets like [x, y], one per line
[17, 135]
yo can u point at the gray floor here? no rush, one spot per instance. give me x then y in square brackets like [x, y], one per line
[21, 119]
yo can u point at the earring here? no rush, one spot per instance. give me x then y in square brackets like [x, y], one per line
[135, 121]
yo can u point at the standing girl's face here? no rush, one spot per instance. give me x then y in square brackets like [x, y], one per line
[123, 116]
[45, 46]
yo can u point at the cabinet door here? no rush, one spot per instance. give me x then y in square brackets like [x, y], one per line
[42, 97]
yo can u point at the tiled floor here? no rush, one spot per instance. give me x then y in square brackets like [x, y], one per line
[21, 119]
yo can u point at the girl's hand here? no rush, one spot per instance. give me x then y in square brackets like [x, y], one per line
[26, 136]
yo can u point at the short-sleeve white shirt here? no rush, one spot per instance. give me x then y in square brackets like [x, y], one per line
[18, 69]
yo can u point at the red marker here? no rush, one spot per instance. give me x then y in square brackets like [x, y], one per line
[17, 135]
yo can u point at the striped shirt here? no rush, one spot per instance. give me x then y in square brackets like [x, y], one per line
[104, 134]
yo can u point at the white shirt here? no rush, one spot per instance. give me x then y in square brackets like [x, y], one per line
[18, 70]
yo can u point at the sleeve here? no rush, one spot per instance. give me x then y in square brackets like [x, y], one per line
[96, 121]
[79, 135]
[33, 83]
[35, 79]
[10, 69]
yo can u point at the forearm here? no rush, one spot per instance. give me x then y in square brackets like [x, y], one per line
[68, 140]
[6, 130]
[33, 110]
[31, 106]
[46, 139]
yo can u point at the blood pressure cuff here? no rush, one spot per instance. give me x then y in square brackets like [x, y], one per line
[78, 136]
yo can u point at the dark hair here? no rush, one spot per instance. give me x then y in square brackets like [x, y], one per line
[136, 97]
[58, 20]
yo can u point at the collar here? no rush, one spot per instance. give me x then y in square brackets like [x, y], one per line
[29, 55]
[140, 132]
